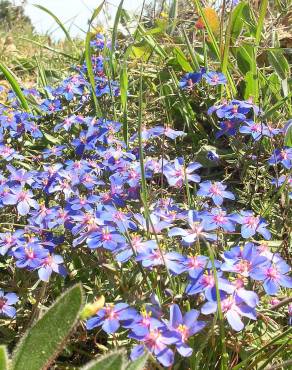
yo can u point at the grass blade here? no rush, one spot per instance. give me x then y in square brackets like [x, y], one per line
[116, 24]
[248, 360]
[263, 11]
[15, 86]
[57, 20]
[194, 60]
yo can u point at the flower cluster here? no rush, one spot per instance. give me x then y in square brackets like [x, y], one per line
[82, 189]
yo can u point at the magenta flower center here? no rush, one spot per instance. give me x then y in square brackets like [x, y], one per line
[255, 128]
[226, 304]
[220, 218]
[195, 263]
[283, 154]
[30, 254]
[252, 221]
[22, 196]
[214, 189]
[272, 273]
[106, 236]
[2, 302]
[243, 267]
[208, 281]
[110, 313]
[215, 78]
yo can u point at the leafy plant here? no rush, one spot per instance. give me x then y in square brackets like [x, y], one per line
[44, 341]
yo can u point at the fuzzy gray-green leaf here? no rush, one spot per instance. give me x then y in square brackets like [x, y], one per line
[42, 343]
[113, 361]
[3, 358]
[139, 364]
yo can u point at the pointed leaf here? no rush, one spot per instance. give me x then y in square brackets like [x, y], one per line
[42, 343]
[139, 364]
[113, 361]
[3, 358]
[57, 20]
[279, 63]
[15, 86]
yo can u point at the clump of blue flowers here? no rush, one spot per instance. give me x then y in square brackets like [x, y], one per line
[78, 196]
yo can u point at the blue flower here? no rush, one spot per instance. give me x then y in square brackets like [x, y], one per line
[215, 78]
[195, 232]
[177, 173]
[233, 307]
[190, 79]
[256, 130]
[31, 256]
[51, 263]
[186, 326]
[283, 156]
[6, 304]
[274, 275]
[111, 316]
[156, 341]
[217, 218]
[216, 191]
[251, 224]
[23, 199]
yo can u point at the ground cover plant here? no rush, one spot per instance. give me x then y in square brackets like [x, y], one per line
[157, 173]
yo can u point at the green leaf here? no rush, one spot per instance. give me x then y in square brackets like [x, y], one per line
[15, 86]
[251, 86]
[237, 20]
[260, 23]
[116, 23]
[46, 338]
[194, 58]
[279, 63]
[244, 58]
[182, 60]
[288, 136]
[139, 364]
[3, 358]
[51, 139]
[113, 361]
[141, 50]
[57, 20]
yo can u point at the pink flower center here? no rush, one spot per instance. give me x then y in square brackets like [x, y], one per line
[195, 263]
[215, 78]
[30, 254]
[219, 218]
[208, 281]
[214, 189]
[106, 236]
[243, 267]
[110, 313]
[227, 303]
[272, 273]
[283, 154]
[252, 221]
[22, 196]
[2, 302]
[255, 128]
